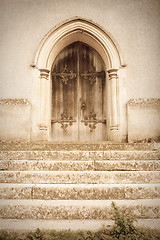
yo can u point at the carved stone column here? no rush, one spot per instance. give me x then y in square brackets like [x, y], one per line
[44, 76]
[113, 89]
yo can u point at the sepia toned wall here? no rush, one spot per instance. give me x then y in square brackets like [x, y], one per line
[144, 120]
[134, 25]
[15, 119]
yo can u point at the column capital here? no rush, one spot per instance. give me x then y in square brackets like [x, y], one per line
[44, 73]
[112, 73]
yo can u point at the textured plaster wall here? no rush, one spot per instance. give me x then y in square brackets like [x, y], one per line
[143, 119]
[134, 24]
[14, 119]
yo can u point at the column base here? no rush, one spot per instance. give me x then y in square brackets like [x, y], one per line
[114, 135]
[43, 132]
[114, 128]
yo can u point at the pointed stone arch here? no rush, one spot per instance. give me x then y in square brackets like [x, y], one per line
[78, 29]
[81, 30]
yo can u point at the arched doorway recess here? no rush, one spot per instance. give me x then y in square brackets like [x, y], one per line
[86, 32]
[78, 95]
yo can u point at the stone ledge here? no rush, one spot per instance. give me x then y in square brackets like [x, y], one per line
[14, 101]
[144, 102]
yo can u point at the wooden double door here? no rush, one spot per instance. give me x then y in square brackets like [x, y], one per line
[78, 95]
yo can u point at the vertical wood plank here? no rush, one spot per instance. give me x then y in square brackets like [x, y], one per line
[78, 58]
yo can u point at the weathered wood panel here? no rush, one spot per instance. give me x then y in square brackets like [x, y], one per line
[77, 95]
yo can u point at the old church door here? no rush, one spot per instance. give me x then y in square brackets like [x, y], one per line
[78, 95]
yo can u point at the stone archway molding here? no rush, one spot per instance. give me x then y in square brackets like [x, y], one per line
[74, 28]
[77, 29]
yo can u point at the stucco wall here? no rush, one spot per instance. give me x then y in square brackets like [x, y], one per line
[15, 119]
[143, 120]
[134, 25]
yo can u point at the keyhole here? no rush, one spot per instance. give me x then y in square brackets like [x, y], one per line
[83, 106]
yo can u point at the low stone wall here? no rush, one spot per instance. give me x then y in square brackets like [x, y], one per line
[14, 119]
[144, 120]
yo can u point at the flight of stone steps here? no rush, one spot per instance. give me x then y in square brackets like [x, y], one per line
[72, 186]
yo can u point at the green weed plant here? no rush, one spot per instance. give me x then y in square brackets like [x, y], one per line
[124, 229]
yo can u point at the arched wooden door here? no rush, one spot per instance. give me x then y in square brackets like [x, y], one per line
[78, 95]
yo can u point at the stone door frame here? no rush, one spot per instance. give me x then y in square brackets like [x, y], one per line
[58, 38]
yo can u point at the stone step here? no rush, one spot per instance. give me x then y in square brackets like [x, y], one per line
[67, 184]
[40, 146]
[97, 165]
[77, 209]
[80, 177]
[79, 155]
[25, 225]
[79, 191]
